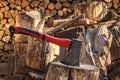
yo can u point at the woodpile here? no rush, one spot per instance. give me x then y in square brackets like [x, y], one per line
[60, 16]
[10, 8]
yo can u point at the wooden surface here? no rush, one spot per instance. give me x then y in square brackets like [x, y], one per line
[60, 71]
[114, 67]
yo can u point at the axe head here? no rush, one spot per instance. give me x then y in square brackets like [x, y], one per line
[73, 56]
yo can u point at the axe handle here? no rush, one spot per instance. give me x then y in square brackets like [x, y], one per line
[63, 42]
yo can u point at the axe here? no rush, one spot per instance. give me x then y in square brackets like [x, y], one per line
[72, 58]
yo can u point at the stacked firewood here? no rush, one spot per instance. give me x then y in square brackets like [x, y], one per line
[57, 9]
[10, 8]
[114, 6]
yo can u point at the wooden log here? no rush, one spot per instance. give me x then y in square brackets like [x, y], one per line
[66, 4]
[27, 47]
[27, 8]
[109, 5]
[12, 11]
[51, 6]
[7, 14]
[107, 1]
[3, 21]
[34, 4]
[24, 3]
[96, 10]
[11, 1]
[69, 10]
[13, 6]
[1, 5]
[64, 11]
[18, 8]
[116, 6]
[11, 21]
[60, 13]
[58, 6]
[115, 43]
[65, 72]
[113, 68]
[79, 8]
[46, 2]
[18, 2]
[52, 53]
[102, 44]
[2, 9]
[1, 16]
[115, 1]
[60, 21]
[64, 24]
[16, 12]
[7, 8]
[5, 3]
[23, 10]
[53, 12]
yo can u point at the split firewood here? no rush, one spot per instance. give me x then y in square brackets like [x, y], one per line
[11, 21]
[53, 12]
[1, 5]
[24, 3]
[7, 8]
[115, 1]
[34, 3]
[46, 2]
[18, 2]
[23, 10]
[107, 1]
[58, 6]
[60, 13]
[11, 1]
[3, 21]
[1, 16]
[116, 6]
[109, 5]
[66, 4]
[51, 6]
[12, 11]
[2, 9]
[12, 6]
[5, 3]
[18, 8]
[7, 14]
[64, 24]
[35, 21]
[27, 8]
[64, 11]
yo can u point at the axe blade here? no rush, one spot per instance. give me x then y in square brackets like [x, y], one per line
[73, 56]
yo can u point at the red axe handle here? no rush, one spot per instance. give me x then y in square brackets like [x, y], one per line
[63, 42]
